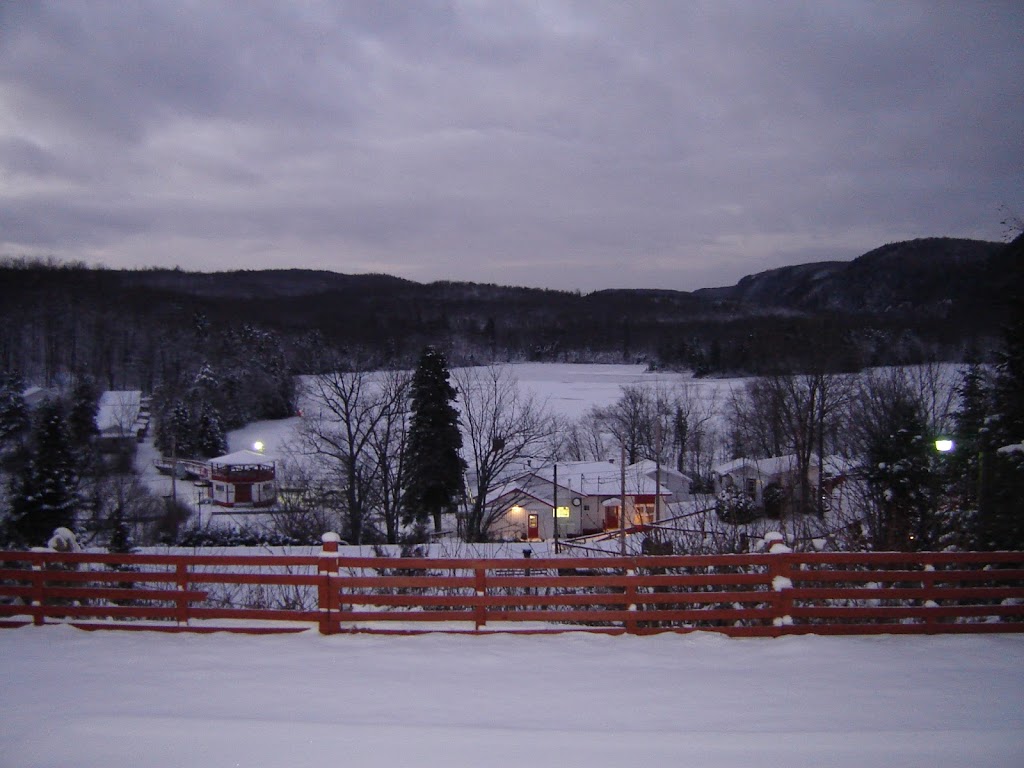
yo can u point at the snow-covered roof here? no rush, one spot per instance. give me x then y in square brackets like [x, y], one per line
[241, 458]
[775, 465]
[594, 478]
[649, 466]
[118, 411]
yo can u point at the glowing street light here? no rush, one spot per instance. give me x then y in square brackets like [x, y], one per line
[943, 445]
[258, 446]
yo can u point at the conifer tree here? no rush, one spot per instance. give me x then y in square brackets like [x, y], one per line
[13, 410]
[1000, 514]
[433, 461]
[44, 493]
[211, 440]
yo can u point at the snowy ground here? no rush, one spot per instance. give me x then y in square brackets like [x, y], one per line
[72, 698]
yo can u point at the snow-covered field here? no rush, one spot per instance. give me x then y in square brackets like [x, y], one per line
[110, 699]
[567, 390]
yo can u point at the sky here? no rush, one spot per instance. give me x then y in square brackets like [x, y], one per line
[551, 143]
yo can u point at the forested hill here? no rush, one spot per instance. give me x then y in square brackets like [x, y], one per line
[904, 302]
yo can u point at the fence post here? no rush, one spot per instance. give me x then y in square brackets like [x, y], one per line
[631, 606]
[327, 591]
[38, 593]
[181, 599]
[480, 584]
[780, 572]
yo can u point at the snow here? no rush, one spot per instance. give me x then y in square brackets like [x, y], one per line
[143, 699]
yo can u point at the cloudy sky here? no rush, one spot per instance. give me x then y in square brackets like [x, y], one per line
[575, 145]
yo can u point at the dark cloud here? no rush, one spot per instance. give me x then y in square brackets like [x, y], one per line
[567, 144]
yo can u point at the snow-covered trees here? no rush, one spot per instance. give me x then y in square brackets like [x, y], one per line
[44, 492]
[434, 465]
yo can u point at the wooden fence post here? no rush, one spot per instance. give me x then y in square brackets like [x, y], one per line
[327, 590]
[38, 593]
[631, 606]
[780, 572]
[181, 599]
[480, 584]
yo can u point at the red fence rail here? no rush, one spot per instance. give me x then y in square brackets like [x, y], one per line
[739, 595]
[195, 593]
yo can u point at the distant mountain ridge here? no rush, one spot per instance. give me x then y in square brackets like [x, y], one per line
[910, 276]
[929, 299]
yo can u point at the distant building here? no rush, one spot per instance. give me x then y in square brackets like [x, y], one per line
[122, 417]
[586, 499]
[243, 479]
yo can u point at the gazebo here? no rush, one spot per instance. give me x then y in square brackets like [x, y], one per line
[243, 479]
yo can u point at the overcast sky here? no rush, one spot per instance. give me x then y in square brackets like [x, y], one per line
[574, 145]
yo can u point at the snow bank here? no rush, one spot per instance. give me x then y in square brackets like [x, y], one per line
[145, 699]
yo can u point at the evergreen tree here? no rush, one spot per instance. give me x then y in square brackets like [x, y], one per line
[210, 439]
[13, 410]
[433, 461]
[900, 480]
[1001, 513]
[175, 435]
[44, 493]
[82, 414]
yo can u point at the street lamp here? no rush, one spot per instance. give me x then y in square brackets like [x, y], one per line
[943, 445]
[258, 446]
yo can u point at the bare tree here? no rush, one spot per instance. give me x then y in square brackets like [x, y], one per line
[783, 415]
[501, 425]
[344, 432]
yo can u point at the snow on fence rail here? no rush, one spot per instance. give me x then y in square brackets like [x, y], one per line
[739, 595]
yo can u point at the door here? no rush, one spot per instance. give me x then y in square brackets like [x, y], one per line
[611, 518]
[533, 527]
[243, 493]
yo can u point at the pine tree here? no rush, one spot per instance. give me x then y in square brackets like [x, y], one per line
[1000, 514]
[13, 410]
[44, 494]
[211, 440]
[900, 481]
[433, 461]
[82, 414]
[175, 434]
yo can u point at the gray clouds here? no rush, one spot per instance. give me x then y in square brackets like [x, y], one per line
[558, 144]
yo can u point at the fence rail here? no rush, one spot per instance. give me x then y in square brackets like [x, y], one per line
[739, 595]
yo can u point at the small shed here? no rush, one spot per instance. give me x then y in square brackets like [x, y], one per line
[243, 479]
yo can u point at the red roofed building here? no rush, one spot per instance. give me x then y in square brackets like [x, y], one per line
[243, 479]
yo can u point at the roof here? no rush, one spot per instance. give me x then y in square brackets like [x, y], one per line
[585, 478]
[775, 465]
[118, 410]
[241, 458]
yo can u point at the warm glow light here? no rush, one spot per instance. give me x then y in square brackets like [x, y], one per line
[258, 445]
[944, 445]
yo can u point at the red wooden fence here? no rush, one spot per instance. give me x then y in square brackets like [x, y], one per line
[740, 595]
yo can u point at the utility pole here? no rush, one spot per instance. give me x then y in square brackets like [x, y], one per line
[622, 502]
[554, 501]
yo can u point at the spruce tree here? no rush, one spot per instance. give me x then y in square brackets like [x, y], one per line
[14, 419]
[44, 493]
[1001, 515]
[211, 441]
[433, 461]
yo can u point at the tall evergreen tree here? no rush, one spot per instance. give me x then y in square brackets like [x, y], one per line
[433, 462]
[44, 494]
[14, 419]
[1000, 514]
[211, 441]
[82, 413]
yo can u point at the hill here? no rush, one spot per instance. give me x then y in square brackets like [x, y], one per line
[928, 299]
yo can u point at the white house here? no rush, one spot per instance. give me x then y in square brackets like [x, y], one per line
[587, 498]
